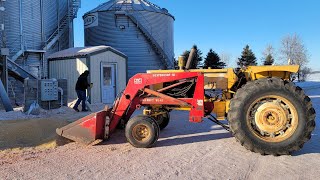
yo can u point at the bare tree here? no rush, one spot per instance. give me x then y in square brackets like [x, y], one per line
[225, 57]
[269, 50]
[293, 51]
[305, 72]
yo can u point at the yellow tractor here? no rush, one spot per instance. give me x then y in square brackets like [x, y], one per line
[266, 112]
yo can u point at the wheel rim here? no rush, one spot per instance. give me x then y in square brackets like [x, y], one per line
[272, 118]
[141, 133]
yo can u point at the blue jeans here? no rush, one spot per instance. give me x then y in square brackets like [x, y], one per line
[81, 98]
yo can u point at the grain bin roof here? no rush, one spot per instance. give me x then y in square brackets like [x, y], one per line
[129, 5]
[78, 52]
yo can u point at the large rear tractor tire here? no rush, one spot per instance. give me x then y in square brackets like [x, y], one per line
[271, 116]
[142, 131]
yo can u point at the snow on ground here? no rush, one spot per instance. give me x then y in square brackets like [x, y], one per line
[184, 151]
[314, 77]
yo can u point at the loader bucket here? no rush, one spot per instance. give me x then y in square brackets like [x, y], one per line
[88, 129]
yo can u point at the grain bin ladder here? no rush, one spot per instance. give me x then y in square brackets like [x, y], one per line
[155, 45]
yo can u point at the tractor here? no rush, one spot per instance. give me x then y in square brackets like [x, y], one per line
[264, 110]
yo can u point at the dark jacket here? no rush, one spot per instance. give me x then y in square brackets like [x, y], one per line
[82, 83]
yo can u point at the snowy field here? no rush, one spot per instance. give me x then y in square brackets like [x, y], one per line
[184, 151]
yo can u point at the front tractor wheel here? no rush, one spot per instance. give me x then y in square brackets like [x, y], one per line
[142, 131]
[271, 116]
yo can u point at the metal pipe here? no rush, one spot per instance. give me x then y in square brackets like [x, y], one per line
[61, 96]
[172, 86]
[42, 21]
[2, 26]
[5, 73]
[21, 27]
[5, 98]
[165, 98]
[190, 59]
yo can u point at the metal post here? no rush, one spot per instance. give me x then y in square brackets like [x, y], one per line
[58, 16]
[4, 77]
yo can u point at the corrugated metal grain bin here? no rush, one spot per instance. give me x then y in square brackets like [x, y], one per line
[107, 66]
[36, 28]
[139, 28]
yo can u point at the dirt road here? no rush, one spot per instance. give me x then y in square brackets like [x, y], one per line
[184, 151]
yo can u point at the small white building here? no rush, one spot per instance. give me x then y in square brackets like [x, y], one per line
[107, 66]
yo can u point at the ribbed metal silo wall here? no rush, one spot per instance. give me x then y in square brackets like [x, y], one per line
[12, 26]
[33, 37]
[161, 27]
[38, 21]
[31, 21]
[1, 35]
[63, 8]
[54, 12]
[1, 41]
[50, 17]
[131, 41]
[64, 40]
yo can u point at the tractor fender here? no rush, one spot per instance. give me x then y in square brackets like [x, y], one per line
[259, 72]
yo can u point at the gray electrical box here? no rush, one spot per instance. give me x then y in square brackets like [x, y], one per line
[49, 90]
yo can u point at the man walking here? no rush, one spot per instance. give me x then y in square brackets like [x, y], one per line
[81, 87]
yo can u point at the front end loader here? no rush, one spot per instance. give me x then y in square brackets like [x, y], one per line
[266, 112]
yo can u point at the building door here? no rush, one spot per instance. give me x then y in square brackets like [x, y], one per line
[108, 83]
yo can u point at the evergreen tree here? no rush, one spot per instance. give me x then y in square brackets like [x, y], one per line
[247, 58]
[197, 59]
[269, 60]
[175, 63]
[213, 61]
[268, 55]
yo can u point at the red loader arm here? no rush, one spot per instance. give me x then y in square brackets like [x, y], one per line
[136, 94]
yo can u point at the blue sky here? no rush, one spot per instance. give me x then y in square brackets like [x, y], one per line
[227, 26]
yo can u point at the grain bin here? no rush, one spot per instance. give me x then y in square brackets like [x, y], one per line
[34, 29]
[138, 28]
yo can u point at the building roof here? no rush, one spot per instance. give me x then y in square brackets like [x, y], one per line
[79, 52]
[129, 5]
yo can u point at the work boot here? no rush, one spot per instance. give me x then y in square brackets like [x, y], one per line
[76, 109]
